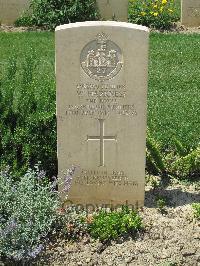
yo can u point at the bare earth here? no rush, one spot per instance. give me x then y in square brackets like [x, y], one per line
[173, 237]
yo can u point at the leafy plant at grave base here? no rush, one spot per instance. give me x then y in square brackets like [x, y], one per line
[187, 166]
[196, 208]
[51, 13]
[110, 225]
[178, 162]
[24, 20]
[28, 212]
[169, 264]
[157, 14]
[161, 203]
[154, 162]
[180, 149]
[153, 181]
[27, 117]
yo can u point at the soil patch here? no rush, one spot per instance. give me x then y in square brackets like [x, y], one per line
[169, 237]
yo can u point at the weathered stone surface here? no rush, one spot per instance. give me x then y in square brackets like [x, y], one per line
[10, 10]
[190, 13]
[113, 9]
[101, 70]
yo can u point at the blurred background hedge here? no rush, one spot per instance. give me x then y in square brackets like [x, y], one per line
[159, 14]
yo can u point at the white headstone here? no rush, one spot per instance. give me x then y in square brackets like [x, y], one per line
[113, 9]
[10, 10]
[190, 13]
[101, 71]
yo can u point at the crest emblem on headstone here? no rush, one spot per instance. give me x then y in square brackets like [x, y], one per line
[101, 59]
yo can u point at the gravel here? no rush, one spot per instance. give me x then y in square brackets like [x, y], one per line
[170, 238]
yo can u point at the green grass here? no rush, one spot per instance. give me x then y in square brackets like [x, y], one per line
[27, 101]
[21, 44]
[173, 97]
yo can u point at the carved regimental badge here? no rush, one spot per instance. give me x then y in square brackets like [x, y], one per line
[101, 59]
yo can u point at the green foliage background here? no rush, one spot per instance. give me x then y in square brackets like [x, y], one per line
[51, 13]
[159, 14]
[27, 101]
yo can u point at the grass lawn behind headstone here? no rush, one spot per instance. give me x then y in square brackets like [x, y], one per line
[174, 83]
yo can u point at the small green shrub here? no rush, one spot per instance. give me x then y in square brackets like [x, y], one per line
[175, 162]
[188, 166]
[51, 13]
[168, 264]
[152, 181]
[157, 14]
[110, 225]
[161, 203]
[24, 20]
[155, 163]
[28, 211]
[196, 208]
[181, 150]
[27, 116]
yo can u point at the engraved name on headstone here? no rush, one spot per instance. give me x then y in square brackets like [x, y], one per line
[113, 9]
[101, 72]
[10, 10]
[190, 13]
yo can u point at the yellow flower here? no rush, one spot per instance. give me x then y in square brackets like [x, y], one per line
[161, 9]
[170, 10]
[143, 13]
[155, 6]
[155, 14]
[164, 2]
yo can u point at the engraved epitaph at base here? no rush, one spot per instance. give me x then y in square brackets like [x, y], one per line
[101, 112]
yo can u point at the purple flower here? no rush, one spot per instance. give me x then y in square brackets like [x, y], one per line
[68, 178]
[36, 251]
[41, 174]
[54, 183]
[9, 228]
[4, 173]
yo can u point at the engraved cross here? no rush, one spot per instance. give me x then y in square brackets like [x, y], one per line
[101, 138]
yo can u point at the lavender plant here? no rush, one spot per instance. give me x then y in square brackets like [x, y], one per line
[28, 211]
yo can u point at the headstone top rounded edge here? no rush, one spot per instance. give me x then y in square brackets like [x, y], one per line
[102, 23]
